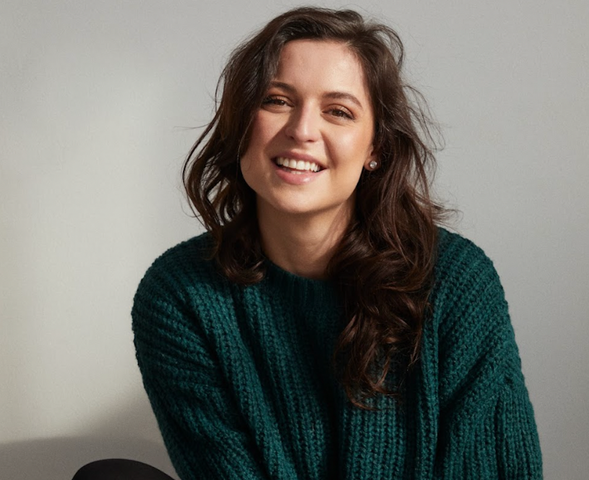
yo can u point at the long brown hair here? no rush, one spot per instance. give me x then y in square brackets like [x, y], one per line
[384, 263]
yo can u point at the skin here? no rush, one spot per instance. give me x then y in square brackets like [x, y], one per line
[317, 108]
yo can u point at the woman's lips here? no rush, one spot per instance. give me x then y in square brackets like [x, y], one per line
[296, 171]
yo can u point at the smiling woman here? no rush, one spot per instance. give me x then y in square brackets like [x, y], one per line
[326, 326]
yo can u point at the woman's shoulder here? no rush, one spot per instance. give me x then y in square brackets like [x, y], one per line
[460, 260]
[186, 265]
[191, 252]
[467, 286]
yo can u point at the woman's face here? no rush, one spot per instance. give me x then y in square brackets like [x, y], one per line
[313, 133]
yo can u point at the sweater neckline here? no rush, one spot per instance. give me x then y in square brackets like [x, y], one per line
[293, 277]
[288, 281]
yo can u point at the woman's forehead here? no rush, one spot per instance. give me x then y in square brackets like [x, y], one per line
[321, 64]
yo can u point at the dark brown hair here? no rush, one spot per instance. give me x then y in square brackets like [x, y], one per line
[384, 263]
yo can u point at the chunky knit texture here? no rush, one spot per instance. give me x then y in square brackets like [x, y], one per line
[240, 378]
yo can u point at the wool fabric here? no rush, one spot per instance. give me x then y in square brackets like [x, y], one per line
[241, 380]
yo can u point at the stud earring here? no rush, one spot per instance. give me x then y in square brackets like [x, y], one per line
[372, 165]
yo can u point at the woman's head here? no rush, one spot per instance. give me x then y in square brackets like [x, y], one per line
[244, 85]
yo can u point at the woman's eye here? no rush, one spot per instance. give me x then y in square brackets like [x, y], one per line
[274, 101]
[341, 113]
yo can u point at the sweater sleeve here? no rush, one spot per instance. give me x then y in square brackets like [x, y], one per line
[487, 426]
[203, 431]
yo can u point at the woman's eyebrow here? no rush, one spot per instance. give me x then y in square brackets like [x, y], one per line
[284, 86]
[344, 96]
[332, 95]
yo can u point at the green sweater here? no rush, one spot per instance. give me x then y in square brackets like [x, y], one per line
[241, 383]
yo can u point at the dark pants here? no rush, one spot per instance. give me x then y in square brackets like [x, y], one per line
[119, 469]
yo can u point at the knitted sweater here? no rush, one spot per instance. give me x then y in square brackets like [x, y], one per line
[241, 381]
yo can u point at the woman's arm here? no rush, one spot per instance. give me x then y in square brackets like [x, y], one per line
[487, 426]
[202, 429]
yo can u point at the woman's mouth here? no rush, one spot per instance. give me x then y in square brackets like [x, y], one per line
[297, 166]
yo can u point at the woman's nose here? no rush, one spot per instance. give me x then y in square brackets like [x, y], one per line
[303, 125]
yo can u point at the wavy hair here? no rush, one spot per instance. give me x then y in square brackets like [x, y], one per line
[384, 263]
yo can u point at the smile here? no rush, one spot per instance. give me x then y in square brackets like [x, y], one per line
[297, 165]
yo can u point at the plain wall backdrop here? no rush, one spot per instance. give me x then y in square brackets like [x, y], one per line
[99, 104]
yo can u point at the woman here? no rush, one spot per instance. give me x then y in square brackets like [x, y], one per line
[325, 327]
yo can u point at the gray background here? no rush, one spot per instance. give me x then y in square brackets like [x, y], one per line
[98, 104]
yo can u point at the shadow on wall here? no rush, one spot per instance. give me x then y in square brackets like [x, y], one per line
[128, 432]
[60, 458]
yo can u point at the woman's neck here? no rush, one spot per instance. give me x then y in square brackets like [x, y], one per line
[302, 244]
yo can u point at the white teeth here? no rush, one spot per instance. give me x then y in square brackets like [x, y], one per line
[297, 164]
